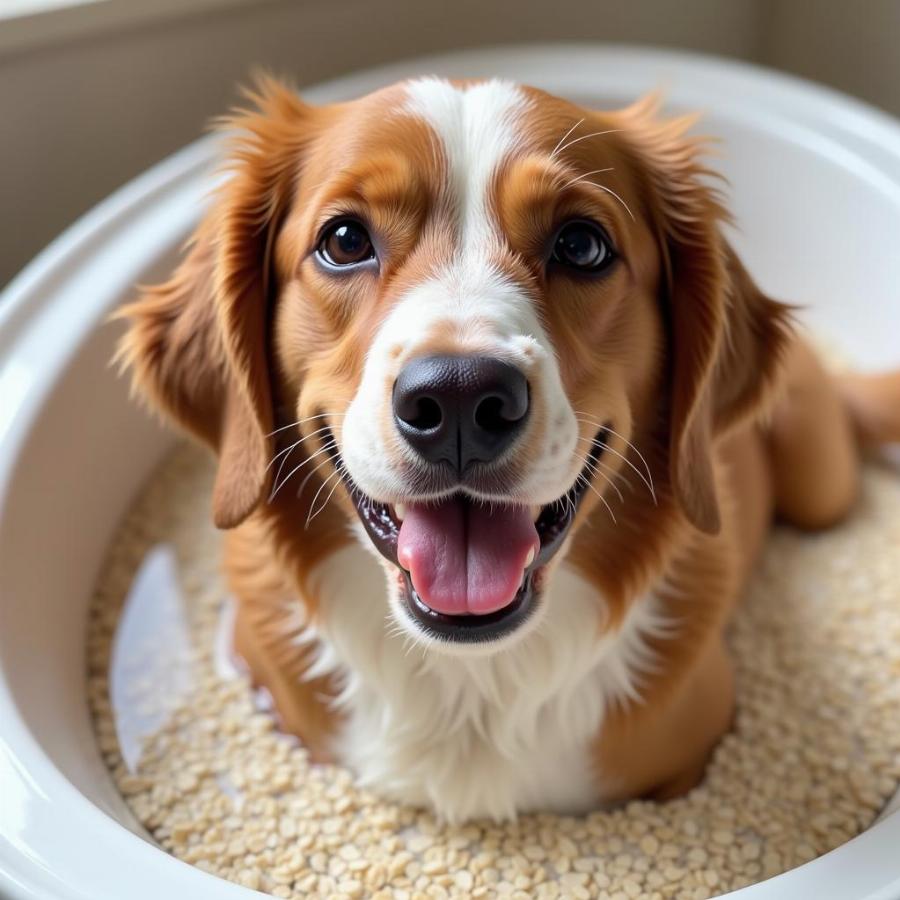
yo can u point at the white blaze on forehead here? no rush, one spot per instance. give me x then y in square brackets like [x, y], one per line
[478, 126]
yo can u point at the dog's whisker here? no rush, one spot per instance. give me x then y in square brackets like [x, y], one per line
[648, 480]
[592, 468]
[596, 473]
[287, 450]
[598, 467]
[600, 497]
[341, 479]
[578, 178]
[297, 468]
[585, 137]
[283, 428]
[300, 422]
[638, 472]
[570, 503]
[612, 193]
[344, 479]
[310, 475]
[312, 514]
[614, 473]
[562, 140]
[639, 455]
[281, 466]
[282, 452]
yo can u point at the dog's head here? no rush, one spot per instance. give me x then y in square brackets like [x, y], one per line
[470, 314]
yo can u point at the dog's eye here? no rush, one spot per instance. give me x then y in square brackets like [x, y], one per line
[584, 246]
[345, 243]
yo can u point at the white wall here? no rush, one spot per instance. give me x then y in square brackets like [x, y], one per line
[94, 96]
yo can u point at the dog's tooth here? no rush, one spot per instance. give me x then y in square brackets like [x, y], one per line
[400, 511]
[530, 558]
[535, 512]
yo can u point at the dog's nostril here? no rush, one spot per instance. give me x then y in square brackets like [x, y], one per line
[490, 414]
[427, 415]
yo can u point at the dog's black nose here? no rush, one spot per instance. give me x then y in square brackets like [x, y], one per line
[460, 409]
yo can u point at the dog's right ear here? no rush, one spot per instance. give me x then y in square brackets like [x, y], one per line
[725, 337]
[197, 344]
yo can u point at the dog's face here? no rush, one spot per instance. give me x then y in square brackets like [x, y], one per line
[460, 311]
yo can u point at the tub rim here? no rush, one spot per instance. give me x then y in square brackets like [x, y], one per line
[862, 867]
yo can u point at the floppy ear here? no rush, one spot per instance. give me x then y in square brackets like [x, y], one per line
[197, 345]
[725, 336]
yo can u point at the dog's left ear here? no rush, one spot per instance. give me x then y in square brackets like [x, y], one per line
[197, 345]
[725, 337]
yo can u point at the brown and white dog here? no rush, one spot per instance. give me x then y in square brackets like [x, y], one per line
[498, 436]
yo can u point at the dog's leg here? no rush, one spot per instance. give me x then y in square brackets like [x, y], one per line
[268, 636]
[814, 452]
[874, 405]
[660, 748]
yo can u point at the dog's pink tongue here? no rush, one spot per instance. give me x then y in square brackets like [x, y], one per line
[464, 557]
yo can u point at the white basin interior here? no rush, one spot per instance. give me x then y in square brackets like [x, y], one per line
[816, 193]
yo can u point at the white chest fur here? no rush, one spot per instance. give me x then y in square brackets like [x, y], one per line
[476, 737]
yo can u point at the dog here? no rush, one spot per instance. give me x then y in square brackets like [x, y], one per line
[501, 423]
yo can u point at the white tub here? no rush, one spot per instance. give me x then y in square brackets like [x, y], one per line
[816, 191]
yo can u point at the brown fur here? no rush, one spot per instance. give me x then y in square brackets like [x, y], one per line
[677, 346]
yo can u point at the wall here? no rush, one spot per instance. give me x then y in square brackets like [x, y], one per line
[83, 115]
[851, 46]
[91, 96]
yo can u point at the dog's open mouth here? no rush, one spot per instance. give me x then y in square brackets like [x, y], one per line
[471, 570]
